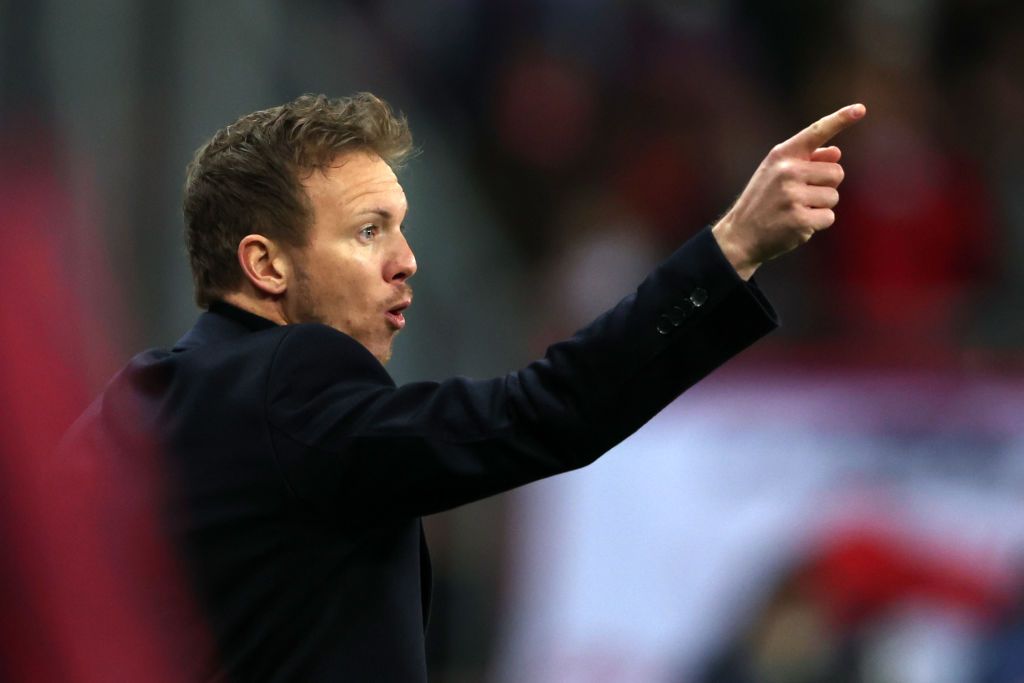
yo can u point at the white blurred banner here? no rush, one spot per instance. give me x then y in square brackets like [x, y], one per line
[643, 565]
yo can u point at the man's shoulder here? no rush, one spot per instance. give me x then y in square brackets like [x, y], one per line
[319, 335]
[313, 336]
[321, 353]
[297, 342]
[300, 354]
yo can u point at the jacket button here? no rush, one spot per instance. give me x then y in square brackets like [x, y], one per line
[664, 324]
[698, 297]
[676, 316]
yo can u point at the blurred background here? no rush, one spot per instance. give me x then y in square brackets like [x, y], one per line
[845, 502]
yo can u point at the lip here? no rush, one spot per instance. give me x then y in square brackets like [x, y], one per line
[396, 314]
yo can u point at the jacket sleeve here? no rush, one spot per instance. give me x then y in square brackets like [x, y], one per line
[348, 440]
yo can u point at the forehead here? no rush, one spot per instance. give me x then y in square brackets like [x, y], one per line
[355, 182]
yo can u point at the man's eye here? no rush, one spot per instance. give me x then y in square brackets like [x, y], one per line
[368, 232]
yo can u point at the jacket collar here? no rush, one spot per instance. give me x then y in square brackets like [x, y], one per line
[222, 322]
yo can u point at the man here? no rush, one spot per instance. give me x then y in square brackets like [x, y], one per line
[298, 471]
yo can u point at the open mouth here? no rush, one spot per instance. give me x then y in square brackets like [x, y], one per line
[396, 315]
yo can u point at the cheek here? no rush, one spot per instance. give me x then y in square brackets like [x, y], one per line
[352, 294]
[347, 284]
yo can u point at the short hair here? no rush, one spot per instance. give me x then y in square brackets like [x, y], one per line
[248, 177]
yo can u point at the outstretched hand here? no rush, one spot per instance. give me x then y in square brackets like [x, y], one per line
[790, 197]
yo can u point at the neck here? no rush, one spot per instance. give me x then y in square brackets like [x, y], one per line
[265, 308]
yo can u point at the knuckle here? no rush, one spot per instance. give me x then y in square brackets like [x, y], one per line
[801, 219]
[790, 196]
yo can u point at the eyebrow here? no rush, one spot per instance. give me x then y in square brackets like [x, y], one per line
[382, 212]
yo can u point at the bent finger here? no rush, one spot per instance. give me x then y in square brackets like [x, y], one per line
[817, 197]
[818, 219]
[821, 173]
[830, 154]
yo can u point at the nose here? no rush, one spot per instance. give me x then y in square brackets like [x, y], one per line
[402, 264]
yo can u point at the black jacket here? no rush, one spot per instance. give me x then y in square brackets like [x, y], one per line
[298, 471]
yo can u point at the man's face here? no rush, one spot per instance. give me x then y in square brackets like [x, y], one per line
[353, 273]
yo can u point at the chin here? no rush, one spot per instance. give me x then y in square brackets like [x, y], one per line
[381, 350]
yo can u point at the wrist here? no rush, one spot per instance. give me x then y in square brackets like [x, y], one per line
[732, 248]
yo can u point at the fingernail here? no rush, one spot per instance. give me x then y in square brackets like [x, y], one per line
[858, 110]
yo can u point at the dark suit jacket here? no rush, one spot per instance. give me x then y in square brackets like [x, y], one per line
[298, 470]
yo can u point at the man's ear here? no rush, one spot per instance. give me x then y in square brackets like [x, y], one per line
[265, 264]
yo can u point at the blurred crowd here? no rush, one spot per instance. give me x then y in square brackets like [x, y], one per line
[567, 147]
[607, 132]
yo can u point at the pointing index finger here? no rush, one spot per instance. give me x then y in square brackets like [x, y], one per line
[824, 129]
